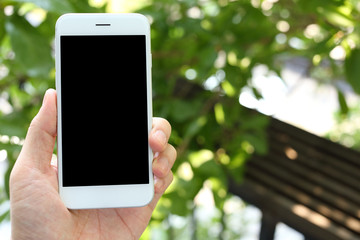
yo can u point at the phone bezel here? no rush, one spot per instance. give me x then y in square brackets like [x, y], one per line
[111, 196]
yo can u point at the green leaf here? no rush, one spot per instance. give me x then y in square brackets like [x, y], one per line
[342, 101]
[4, 216]
[46, 28]
[219, 113]
[7, 178]
[195, 126]
[184, 110]
[219, 189]
[178, 204]
[209, 169]
[9, 147]
[2, 25]
[258, 142]
[14, 124]
[198, 158]
[83, 6]
[352, 69]
[57, 6]
[337, 16]
[32, 50]
[255, 121]
[11, 129]
[228, 88]
[184, 191]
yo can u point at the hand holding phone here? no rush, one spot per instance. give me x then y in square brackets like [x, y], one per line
[37, 211]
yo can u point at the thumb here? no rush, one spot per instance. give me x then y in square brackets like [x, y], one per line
[40, 139]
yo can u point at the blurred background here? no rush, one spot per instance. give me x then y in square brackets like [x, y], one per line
[297, 60]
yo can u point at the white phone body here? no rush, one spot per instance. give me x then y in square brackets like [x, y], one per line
[95, 142]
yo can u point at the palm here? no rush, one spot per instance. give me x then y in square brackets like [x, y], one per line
[37, 211]
[111, 223]
[42, 187]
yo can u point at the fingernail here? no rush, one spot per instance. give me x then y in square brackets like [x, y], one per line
[158, 184]
[45, 97]
[160, 137]
[156, 155]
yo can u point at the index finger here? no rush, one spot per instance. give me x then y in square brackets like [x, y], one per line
[159, 134]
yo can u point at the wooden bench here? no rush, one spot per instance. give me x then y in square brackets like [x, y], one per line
[307, 182]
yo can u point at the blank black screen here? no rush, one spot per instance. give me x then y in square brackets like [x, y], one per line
[104, 110]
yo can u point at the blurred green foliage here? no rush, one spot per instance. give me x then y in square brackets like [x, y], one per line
[346, 128]
[203, 55]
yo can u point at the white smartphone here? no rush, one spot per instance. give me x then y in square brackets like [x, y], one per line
[104, 99]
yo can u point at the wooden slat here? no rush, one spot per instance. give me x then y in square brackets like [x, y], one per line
[316, 191]
[316, 178]
[311, 152]
[319, 165]
[336, 150]
[301, 197]
[293, 214]
[285, 175]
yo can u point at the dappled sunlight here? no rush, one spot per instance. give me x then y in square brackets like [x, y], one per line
[311, 216]
[205, 196]
[291, 153]
[185, 172]
[200, 157]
